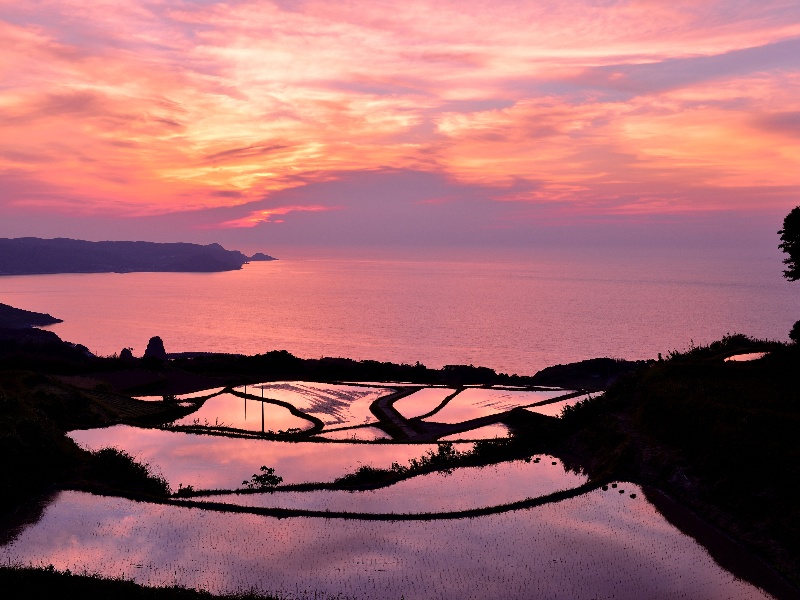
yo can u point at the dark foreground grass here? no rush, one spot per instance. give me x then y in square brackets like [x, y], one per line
[48, 582]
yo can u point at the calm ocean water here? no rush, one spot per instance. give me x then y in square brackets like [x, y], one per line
[511, 312]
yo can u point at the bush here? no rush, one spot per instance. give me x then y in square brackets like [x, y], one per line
[117, 469]
[794, 334]
[266, 480]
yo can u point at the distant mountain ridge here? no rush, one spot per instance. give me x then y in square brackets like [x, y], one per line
[32, 256]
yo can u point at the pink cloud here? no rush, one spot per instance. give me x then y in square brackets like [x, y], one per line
[265, 216]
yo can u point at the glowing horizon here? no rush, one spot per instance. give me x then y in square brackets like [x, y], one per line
[119, 110]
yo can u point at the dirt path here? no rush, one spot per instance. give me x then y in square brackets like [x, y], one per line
[386, 414]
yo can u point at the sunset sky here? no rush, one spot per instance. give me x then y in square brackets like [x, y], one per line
[259, 123]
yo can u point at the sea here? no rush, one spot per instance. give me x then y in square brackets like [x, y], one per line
[513, 311]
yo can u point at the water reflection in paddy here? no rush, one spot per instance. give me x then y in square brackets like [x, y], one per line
[421, 402]
[463, 489]
[487, 432]
[215, 462]
[199, 394]
[366, 434]
[598, 545]
[340, 405]
[554, 409]
[746, 357]
[232, 411]
[480, 402]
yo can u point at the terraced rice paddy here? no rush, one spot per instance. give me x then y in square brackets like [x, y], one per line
[339, 405]
[487, 432]
[227, 410]
[596, 545]
[367, 434]
[411, 539]
[746, 357]
[554, 408]
[421, 402]
[473, 403]
[198, 394]
[217, 462]
[463, 489]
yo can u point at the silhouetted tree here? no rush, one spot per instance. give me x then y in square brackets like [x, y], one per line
[790, 243]
[794, 334]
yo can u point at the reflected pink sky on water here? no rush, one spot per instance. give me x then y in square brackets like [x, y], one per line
[473, 403]
[600, 544]
[421, 402]
[335, 405]
[232, 411]
[463, 489]
[554, 409]
[487, 432]
[215, 462]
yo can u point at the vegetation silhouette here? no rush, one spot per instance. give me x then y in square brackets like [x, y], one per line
[265, 480]
[790, 244]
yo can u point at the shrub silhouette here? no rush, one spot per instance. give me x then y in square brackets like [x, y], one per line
[790, 243]
[267, 479]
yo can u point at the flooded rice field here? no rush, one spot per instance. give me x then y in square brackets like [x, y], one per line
[472, 403]
[487, 432]
[601, 544]
[228, 410]
[193, 395]
[421, 402]
[746, 357]
[340, 405]
[410, 539]
[217, 462]
[365, 434]
[553, 409]
[463, 489]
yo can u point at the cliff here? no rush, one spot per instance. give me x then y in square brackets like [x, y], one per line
[17, 318]
[28, 256]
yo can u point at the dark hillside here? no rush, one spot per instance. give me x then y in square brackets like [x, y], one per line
[17, 318]
[721, 437]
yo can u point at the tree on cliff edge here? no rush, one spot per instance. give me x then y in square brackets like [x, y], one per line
[790, 243]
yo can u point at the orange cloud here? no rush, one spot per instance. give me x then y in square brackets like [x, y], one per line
[265, 216]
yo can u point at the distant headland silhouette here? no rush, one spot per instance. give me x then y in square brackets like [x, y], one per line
[37, 256]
